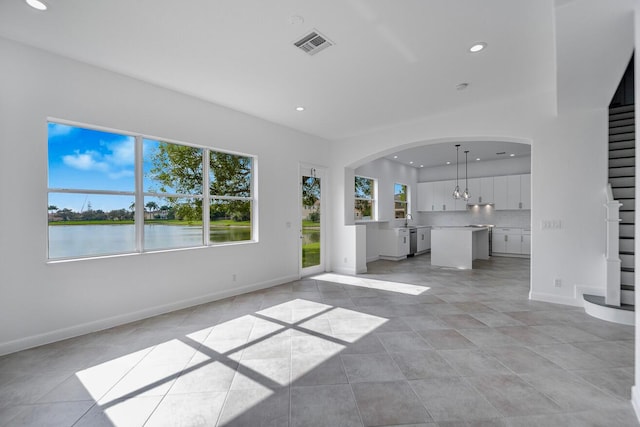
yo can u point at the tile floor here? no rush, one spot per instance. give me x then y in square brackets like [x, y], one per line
[406, 344]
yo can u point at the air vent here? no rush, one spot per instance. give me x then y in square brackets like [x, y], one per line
[313, 42]
[501, 153]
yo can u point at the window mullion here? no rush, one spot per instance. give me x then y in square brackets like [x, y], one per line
[139, 199]
[206, 198]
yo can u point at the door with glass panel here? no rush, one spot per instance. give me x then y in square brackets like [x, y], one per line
[311, 220]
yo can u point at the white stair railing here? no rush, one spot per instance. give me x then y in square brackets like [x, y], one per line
[614, 264]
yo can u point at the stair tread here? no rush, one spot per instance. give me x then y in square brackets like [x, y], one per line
[626, 252]
[628, 269]
[627, 287]
[598, 300]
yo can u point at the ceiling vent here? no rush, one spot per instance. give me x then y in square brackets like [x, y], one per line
[313, 42]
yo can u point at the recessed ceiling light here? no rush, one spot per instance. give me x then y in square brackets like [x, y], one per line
[299, 108]
[511, 155]
[410, 163]
[478, 159]
[37, 4]
[477, 47]
[395, 157]
[448, 163]
[421, 166]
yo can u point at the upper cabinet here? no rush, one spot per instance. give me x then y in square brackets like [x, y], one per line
[486, 190]
[510, 192]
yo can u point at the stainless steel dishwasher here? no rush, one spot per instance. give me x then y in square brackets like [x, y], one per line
[413, 241]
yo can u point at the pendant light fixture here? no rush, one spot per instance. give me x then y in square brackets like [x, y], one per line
[456, 191]
[465, 195]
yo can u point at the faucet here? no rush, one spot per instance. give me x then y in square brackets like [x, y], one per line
[406, 220]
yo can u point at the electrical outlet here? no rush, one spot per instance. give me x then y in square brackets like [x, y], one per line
[558, 283]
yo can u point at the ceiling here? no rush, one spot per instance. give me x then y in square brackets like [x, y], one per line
[392, 62]
[439, 154]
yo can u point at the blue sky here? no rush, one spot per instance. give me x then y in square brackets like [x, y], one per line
[93, 160]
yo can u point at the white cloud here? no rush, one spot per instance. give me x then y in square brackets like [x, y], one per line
[56, 129]
[87, 161]
[122, 152]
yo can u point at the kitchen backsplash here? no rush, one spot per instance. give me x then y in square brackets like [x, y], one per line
[478, 215]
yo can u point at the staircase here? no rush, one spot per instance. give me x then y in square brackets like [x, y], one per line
[618, 303]
[622, 178]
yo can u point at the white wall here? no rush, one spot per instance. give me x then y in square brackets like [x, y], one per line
[389, 173]
[41, 302]
[568, 180]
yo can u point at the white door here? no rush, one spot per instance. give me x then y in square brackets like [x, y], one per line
[312, 220]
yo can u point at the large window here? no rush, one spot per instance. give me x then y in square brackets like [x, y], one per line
[111, 193]
[365, 199]
[401, 200]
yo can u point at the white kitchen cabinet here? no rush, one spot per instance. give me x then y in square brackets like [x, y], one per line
[525, 191]
[394, 243]
[513, 244]
[425, 196]
[438, 196]
[505, 192]
[486, 190]
[448, 202]
[500, 192]
[513, 192]
[424, 239]
[511, 241]
[526, 242]
[475, 191]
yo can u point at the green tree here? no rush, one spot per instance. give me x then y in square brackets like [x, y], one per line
[52, 208]
[178, 169]
[151, 206]
[310, 191]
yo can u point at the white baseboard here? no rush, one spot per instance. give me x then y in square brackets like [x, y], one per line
[579, 292]
[349, 271]
[373, 258]
[110, 322]
[555, 299]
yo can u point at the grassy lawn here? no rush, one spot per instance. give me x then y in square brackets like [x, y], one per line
[311, 254]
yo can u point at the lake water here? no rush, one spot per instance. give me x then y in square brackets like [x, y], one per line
[72, 241]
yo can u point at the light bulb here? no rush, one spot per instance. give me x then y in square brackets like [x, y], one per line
[456, 193]
[465, 195]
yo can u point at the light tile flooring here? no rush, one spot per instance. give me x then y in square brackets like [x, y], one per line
[405, 344]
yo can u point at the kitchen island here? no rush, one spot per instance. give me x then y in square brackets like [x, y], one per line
[458, 246]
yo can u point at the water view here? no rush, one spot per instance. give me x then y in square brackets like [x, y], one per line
[73, 241]
[69, 241]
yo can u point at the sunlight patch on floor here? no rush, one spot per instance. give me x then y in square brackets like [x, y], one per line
[379, 285]
[271, 348]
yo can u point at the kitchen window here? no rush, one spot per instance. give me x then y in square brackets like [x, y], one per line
[114, 193]
[401, 200]
[365, 199]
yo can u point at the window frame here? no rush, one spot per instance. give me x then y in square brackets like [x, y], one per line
[407, 204]
[373, 199]
[139, 194]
